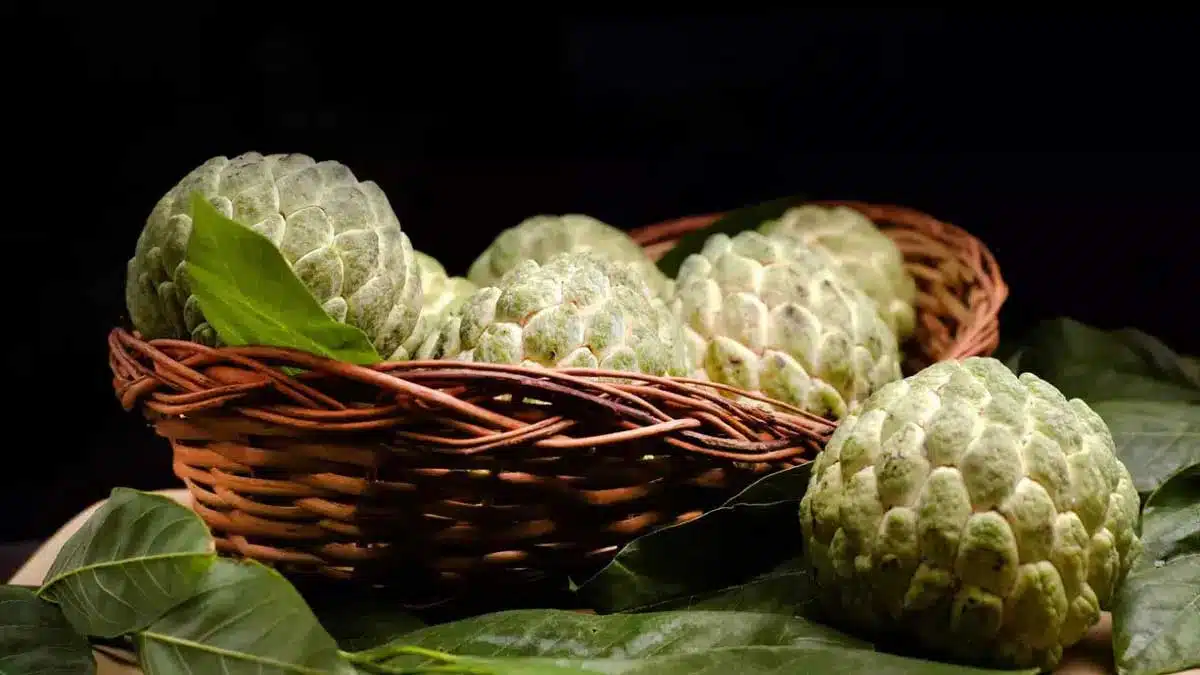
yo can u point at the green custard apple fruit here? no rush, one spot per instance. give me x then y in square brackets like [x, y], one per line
[577, 309]
[977, 514]
[785, 321]
[538, 238]
[338, 234]
[443, 294]
[868, 255]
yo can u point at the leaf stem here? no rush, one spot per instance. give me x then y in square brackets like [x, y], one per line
[458, 669]
[369, 660]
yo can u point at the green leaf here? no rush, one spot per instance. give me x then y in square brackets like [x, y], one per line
[695, 557]
[565, 634]
[1156, 621]
[136, 557]
[1153, 439]
[755, 660]
[1095, 365]
[250, 295]
[36, 638]
[243, 618]
[1171, 519]
[746, 218]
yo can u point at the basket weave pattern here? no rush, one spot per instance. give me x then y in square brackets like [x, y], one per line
[442, 473]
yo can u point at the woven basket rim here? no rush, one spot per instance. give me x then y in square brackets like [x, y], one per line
[258, 368]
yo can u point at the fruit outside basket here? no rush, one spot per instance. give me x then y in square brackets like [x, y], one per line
[445, 476]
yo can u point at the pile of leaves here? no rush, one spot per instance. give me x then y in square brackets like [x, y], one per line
[725, 593]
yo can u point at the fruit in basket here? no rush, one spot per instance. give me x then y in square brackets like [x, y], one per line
[577, 309]
[338, 234]
[980, 514]
[867, 255]
[770, 316]
[442, 294]
[541, 237]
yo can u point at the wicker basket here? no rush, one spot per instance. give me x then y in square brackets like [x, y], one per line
[444, 475]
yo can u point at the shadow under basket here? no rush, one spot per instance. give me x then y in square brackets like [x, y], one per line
[444, 476]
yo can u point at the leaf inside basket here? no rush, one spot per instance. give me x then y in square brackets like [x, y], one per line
[731, 223]
[250, 295]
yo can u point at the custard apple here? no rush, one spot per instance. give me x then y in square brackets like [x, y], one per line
[772, 317]
[977, 514]
[540, 237]
[340, 236]
[578, 309]
[867, 255]
[443, 294]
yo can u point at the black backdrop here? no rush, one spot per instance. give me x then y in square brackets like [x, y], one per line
[1066, 142]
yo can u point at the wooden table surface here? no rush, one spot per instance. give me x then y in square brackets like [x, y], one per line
[1092, 656]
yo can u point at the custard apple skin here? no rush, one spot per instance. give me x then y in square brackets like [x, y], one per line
[541, 237]
[978, 514]
[777, 318]
[443, 294]
[339, 235]
[578, 309]
[867, 255]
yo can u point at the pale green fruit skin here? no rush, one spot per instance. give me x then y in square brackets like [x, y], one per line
[541, 237]
[578, 309]
[867, 255]
[979, 515]
[779, 319]
[338, 234]
[443, 295]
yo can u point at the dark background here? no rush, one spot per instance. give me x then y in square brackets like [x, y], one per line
[1066, 142]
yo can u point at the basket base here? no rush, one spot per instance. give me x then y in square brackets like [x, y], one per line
[331, 526]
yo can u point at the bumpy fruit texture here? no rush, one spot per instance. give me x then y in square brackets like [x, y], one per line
[443, 295]
[866, 254]
[578, 309]
[774, 317]
[541, 237]
[339, 235]
[982, 515]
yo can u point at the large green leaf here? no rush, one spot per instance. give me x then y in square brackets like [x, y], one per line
[572, 635]
[746, 218]
[1096, 365]
[37, 639]
[1156, 621]
[137, 556]
[742, 660]
[250, 295]
[244, 618]
[1154, 439]
[723, 547]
